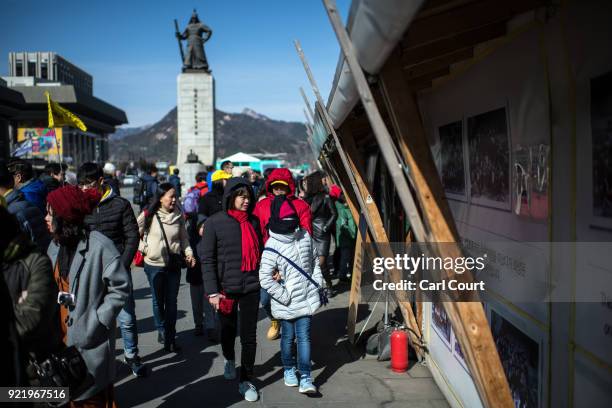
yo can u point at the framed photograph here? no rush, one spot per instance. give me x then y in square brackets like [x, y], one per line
[441, 322]
[488, 140]
[521, 358]
[452, 160]
[601, 134]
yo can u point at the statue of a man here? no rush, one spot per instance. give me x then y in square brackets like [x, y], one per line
[196, 35]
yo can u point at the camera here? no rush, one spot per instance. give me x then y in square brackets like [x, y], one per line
[66, 299]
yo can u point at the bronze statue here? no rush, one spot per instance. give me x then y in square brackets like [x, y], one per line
[196, 35]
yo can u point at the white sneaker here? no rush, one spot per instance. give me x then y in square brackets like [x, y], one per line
[229, 371]
[249, 391]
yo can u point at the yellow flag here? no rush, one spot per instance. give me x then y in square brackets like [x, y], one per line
[59, 116]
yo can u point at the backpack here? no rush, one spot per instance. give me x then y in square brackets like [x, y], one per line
[139, 190]
[190, 204]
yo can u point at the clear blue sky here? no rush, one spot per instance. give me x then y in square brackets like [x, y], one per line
[130, 49]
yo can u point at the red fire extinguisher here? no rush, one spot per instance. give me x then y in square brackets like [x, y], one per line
[399, 350]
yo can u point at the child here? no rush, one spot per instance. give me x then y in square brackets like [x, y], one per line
[295, 293]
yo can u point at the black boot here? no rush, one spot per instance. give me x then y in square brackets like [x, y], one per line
[172, 347]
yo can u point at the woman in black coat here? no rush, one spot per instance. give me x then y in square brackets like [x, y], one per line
[324, 216]
[229, 252]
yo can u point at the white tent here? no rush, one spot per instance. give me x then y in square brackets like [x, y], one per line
[240, 158]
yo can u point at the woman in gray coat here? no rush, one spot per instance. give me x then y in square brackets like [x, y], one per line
[94, 283]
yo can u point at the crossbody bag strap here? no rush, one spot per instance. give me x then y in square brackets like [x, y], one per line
[295, 266]
[161, 226]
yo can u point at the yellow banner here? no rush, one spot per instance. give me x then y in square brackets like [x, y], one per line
[59, 116]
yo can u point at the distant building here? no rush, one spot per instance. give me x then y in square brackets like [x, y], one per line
[24, 128]
[49, 66]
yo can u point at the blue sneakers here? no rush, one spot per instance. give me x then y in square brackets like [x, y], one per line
[306, 385]
[291, 379]
[249, 391]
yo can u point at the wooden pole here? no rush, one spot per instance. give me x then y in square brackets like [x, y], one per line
[320, 106]
[308, 105]
[385, 142]
[467, 318]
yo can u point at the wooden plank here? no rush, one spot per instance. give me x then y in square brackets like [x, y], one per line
[413, 55]
[379, 235]
[308, 105]
[467, 318]
[355, 294]
[426, 80]
[465, 18]
[436, 64]
[376, 235]
[432, 7]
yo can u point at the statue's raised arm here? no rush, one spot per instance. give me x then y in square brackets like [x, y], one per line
[196, 35]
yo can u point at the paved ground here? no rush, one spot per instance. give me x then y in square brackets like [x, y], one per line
[194, 378]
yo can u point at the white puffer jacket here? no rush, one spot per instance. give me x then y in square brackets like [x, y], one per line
[294, 296]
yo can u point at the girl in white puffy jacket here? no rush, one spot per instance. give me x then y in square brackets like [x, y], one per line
[290, 273]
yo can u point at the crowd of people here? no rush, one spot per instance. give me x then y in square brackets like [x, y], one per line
[245, 242]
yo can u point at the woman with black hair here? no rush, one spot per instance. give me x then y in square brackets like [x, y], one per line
[324, 216]
[165, 245]
[93, 286]
[229, 252]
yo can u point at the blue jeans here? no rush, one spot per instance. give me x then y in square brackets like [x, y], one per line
[164, 292]
[299, 328]
[265, 299]
[127, 324]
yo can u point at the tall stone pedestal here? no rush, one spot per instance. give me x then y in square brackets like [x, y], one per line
[196, 124]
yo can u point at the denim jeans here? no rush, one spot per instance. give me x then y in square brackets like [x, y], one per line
[164, 292]
[290, 329]
[265, 299]
[127, 324]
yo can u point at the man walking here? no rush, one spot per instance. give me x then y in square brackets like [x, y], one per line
[114, 217]
[32, 189]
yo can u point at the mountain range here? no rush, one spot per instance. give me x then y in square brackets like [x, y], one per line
[248, 132]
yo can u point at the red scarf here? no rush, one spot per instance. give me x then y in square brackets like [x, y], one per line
[250, 241]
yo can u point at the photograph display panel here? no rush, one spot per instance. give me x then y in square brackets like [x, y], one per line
[441, 322]
[452, 163]
[520, 358]
[601, 130]
[489, 158]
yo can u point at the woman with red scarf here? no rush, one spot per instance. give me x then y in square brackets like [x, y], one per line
[229, 252]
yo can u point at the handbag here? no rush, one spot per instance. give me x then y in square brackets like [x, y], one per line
[175, 261]
[322, 295]
[226, 305]
[138, 259]
[139, 255]
[64, 369]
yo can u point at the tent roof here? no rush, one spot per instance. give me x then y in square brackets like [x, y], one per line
[375, 28]
[241, 157]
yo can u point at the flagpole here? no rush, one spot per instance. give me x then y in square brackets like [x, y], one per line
[60, 159]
